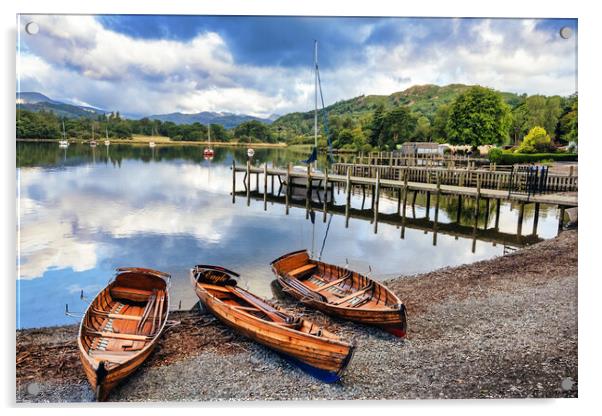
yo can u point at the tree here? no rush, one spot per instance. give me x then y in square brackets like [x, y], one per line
[439, 131]
[520, 120]
[423, 129]
[376, 126]
[478, 116]
[543, 111]
[537, 140]
[398, 126]
[218, 133]
[253, 130]
[566, 130]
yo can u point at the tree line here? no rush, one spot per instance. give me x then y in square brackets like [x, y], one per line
[475, 117]
[47, 125]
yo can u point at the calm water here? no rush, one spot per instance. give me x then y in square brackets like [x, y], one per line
[83, 212]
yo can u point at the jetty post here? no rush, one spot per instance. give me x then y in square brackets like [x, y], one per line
[405, 200]
[348, 196]
[535, 218]
[233, 180]
[376, 198]
[521, 215]
[265, 186]
[325, 210]
[437, 198]
[288, 187]
[497, 213]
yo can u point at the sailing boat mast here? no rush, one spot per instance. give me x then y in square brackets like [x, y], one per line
[64, 134]
[316, 96]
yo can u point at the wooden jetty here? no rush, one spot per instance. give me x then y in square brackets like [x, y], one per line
[402, 187]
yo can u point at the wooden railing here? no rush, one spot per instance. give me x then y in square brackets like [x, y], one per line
[459, 177]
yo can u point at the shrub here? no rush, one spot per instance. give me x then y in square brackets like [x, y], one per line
[507, 158]
[495, 154]
[537, 140]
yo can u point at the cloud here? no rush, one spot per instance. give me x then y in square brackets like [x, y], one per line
[262, 65]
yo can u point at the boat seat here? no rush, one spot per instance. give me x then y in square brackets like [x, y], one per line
[299, 271]
[112, 356]
[352, 295]
[130, 293]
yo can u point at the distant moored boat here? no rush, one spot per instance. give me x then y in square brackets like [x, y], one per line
[151, 144]
[250, 152]
[208, 152]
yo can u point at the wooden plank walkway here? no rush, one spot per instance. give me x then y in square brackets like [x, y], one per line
[564, 200]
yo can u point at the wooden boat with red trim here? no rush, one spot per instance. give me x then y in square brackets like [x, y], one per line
[122, 325]
[340, 292]
[314, 349]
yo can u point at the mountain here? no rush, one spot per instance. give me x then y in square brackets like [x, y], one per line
[228, 120]
[34, 101]
[422, 99]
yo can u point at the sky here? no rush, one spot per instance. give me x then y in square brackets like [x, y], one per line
[143, 65]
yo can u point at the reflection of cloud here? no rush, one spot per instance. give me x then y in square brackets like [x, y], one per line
[166, 199]
[48, 244]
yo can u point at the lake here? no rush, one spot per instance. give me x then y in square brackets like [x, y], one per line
[82, 212]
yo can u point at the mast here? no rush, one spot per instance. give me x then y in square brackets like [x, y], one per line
[64, 135]
[316, 96]
[209, 133]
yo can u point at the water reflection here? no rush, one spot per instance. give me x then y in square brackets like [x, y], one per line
[83, 212]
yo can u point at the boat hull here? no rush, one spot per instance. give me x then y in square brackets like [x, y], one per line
[99, 326]
[392, 318]
[324, 359]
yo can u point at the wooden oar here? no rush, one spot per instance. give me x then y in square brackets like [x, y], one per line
[269, 310]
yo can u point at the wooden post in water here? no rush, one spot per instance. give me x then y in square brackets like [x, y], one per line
[248, 183]
[535, 218]
[497, 213]
[265, 186]
[347, 196]
[521, 214]
[325, 194]
[376, 198]
[486, 213]
[428, 205]
[257, 181]
[476, 214]
[561, 218]
[308, 191]
[459, 209]
[272, 177]
[405, 200]
[288, 186]
[233, 181]
[437, 196]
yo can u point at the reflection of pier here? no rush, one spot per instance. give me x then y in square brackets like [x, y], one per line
[402, 188]
[491, 235]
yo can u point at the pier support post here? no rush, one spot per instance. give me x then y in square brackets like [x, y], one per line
[376, 198]
[405, 200]
[476, 214]
[272, 177]
[248, 183]
[428, 205]
[459, 209]
[233, 181]
[561, 218]
[437, 197]
[486, 213]
[497, 213]
[288, 187]
[535, 218]
[308, 191]
[521, 215]
[347, 196]
[325, 194]
[265, 186]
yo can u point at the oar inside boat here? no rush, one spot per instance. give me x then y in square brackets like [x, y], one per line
[312, 348]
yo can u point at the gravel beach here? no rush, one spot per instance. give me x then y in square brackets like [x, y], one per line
[501, 328]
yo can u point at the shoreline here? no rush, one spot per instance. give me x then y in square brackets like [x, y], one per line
[162, 143]
[499, 328]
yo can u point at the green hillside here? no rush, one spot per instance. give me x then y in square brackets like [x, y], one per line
[421, 99]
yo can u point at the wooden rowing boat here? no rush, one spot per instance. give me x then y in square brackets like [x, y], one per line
[122, 325]
[340, 292]
[314, 349]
